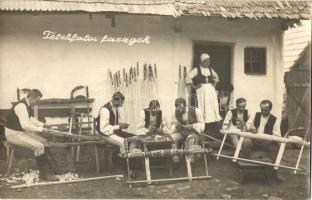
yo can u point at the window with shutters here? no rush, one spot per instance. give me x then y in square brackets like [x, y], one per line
[255, 61]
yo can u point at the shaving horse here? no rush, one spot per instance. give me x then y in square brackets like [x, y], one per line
[287, 139]
[166, 152]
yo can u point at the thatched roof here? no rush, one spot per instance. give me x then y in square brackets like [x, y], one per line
[255, 9]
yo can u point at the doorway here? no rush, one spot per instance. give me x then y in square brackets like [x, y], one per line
[220, 59]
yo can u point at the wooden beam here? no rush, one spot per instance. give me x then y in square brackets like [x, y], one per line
[170, 179]
[263, 137]
[62, 182]
[147, 170]
[259, 162]
[74, 136]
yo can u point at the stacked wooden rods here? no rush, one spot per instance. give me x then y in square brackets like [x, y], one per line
[138, 87]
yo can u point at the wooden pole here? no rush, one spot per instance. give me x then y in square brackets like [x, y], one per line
[215, 139]
[111, 85]
[64, 182]
[80, 133]
[238, 148]
[18, 94]
[155, 73]
[170, 179]
[135, 83]
[188, 167]
[74, 136]
[179, 82]
[221, 147]
[127, 98]
[280, 155]
[130, 105]
[264, 137]
[145, 86]
[298, 160]
[139, 91]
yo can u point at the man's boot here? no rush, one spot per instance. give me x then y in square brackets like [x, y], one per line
[52, 162]
[43, 166]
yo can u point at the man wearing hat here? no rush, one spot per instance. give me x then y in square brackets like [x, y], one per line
[187, 123]
[108, 122]
[204, 79]
[152, 120]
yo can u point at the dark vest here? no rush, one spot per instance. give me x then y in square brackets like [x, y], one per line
[12, 121]
[268, 128]
[201, 79]
[147, 118]
[113, 120]
[234, 116]
[191, 117]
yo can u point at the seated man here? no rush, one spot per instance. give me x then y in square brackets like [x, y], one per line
[20, 130]
[108, 124]
[236, 118]
[225, 97]
[264, 123]
[187, 124]
[152, 120]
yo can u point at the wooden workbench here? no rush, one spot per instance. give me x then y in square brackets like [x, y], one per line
[67, 105]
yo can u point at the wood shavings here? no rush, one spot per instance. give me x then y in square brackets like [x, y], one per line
[29, 178]
[68, 177]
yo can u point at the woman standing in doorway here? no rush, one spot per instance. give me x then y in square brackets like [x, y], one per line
[204, 79]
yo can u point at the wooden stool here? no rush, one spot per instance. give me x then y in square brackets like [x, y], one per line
[108, 155]
[10, 150]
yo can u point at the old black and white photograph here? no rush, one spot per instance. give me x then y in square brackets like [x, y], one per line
[155, 99]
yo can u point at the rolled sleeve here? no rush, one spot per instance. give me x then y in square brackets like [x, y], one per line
[191, 75]
[106, 128]
[250, 122]
[215, 76]
[227, 120]
[36, 122]
[27, 125]
[164, 125]
[141, 130]
[276, 128]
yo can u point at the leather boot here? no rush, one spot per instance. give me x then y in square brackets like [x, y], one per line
[43, 166]
[52, 162]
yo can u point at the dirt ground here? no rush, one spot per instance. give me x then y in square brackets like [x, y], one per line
[224, 184]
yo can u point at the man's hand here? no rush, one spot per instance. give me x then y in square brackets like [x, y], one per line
[253, 130]
[188, 127]
[123, 125]
[240, 125]
[178, 126]
[197, 86]
[46, 130]
[46, 126]
[159, 130]
[152, 129]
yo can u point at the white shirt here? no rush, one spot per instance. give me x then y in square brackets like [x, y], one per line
[141, 130]
[27, 123]
[228, 119]
[204, 71]
[106, 128]
[224, 102]
[263, 121]
[199, 126]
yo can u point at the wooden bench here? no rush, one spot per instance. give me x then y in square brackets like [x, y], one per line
[108, 151]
